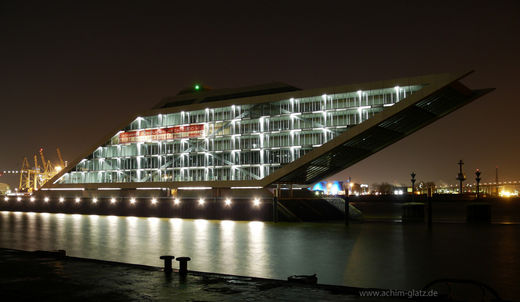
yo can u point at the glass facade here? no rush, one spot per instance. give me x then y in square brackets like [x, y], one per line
[238, 142]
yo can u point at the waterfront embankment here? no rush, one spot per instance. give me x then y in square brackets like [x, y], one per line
[37, 276]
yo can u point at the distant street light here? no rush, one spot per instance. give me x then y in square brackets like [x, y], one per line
[413, 182]
[477, 173]
[460, 177]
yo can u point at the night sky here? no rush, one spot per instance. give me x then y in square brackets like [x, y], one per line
[72, 71]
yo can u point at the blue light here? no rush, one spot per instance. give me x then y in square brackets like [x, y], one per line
[335, 188]
[320, 186]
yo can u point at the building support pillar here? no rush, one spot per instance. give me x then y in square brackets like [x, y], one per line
[275, 203]
[347, 208]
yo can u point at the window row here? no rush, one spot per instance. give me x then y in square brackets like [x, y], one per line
[201, 174]
[253, 157]
[239, 143]
[267, 125]
[302, 105]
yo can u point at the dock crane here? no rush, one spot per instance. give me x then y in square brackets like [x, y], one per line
[26, 176]
[31, 179]
[62, 163]
[48, 170]
[36, 178]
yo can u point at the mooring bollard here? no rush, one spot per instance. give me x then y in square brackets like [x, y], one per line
[167, 263]
[183, 265]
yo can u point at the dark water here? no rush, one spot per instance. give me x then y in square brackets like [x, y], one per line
[381, 255]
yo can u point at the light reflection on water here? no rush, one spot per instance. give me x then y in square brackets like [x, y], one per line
[228, 252]
[365, 255]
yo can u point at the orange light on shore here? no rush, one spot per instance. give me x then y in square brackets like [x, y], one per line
[508, 194]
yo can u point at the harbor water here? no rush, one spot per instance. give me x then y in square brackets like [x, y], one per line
[382, 255]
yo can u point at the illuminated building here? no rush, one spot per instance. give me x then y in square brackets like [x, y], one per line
[255, 138]
[329, 188]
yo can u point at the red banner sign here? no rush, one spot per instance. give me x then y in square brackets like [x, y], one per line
[176, 132]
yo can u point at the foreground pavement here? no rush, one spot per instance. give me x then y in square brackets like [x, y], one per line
[38, 276]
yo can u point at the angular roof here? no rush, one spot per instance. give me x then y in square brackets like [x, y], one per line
[209, 95]
[440, 95]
